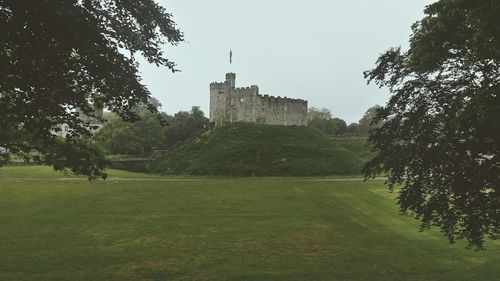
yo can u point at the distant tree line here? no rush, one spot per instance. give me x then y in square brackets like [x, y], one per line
[143, 137]
[147, 135]
[322, 119]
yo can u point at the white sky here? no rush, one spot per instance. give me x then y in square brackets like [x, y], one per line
[313, 49]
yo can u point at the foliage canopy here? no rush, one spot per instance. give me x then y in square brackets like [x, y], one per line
[56, 56]
[322, 119]
[143, 137]
[441, 137]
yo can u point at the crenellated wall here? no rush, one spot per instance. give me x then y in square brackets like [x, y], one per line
[229, 104]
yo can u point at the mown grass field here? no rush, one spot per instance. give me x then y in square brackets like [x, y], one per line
[218, 229]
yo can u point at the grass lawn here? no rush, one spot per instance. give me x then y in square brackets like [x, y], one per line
[228, 229]
[37, 172]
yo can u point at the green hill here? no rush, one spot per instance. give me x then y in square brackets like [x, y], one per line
[357, 145]
[255, 150]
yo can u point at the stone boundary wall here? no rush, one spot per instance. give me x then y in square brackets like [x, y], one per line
[248, 106]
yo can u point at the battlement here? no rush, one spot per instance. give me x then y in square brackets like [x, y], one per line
[266, 97]
[245, 104]
[217, 85]
[244, 88]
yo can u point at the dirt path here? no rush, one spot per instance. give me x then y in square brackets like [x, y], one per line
[110, 179]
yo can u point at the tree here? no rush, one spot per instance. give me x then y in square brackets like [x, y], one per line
[57, 56]
[338, 126]
[353, 128]
[138, 138]
[321, 118]
[183, 125]
[440, 144]
[366, 123]
[143, 137]
[319, 113]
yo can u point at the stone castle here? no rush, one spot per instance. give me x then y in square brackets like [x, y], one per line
[230, 104]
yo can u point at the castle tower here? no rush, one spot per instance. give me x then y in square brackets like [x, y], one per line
[231, 80]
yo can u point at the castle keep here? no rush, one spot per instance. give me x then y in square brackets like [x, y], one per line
[230, 104]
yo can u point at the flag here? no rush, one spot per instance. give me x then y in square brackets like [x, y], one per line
[230, 56]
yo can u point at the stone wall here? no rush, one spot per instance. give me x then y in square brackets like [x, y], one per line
[229, 104]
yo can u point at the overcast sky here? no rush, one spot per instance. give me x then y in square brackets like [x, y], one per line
[315, 50]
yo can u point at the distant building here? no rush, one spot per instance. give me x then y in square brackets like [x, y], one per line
[230, 104]
[92, 123]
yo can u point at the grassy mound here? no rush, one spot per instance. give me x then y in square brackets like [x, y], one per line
[253, 150]
[358, 146]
